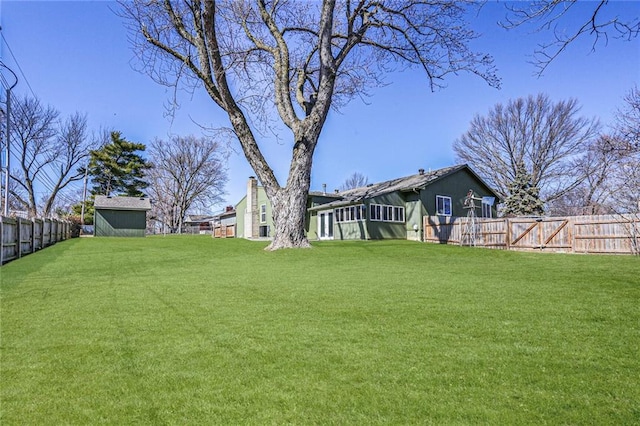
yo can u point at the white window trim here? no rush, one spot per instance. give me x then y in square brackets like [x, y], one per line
[350, 214]
[444, 198]
[395, 214]
[263, 213]
[486, 208]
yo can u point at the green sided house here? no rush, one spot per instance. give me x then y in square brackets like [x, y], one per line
[395, 208]
[253, 218]
[391, 209]
[120, 216]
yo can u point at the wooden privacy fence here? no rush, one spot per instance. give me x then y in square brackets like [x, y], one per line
[224, 231]
[619, 234]
[20, 237]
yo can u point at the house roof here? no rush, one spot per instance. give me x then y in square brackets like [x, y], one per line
[103, 202]
[417, 181]
[227, 213]
[199, 218]
[408, 183]
[324, 194]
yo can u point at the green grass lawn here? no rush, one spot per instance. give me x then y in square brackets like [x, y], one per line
[191, 330]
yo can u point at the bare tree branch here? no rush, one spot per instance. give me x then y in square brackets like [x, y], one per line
[560, 17]
[72, 149]
[49, 153]
[33, 128]
[627, 120]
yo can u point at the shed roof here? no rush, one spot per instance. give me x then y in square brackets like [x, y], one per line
[103, 202]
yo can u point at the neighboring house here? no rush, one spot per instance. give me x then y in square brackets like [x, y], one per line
[120, 216]
[253, 212]
[223, 225]
[197, 224]
[391, 209]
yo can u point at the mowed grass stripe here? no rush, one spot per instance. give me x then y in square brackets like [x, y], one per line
[191, 330]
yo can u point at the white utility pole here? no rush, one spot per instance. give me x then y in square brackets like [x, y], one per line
[8, 144]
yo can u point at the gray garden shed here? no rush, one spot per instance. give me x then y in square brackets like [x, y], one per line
[120, 216]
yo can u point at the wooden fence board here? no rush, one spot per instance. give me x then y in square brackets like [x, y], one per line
[20, 237]
[37, 234]
[224, 231]
[579, 234]
[9, 239]
[26, 237]
[46, 233]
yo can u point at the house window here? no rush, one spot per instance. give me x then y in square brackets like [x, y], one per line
[263, 213]
[350, 213]
[398, 214]
[375, 212]
[386, 213]
[264, 231]
[443, 205]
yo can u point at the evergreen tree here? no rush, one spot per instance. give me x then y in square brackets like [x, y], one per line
[89, 210]
[524, 197]
[117, 168]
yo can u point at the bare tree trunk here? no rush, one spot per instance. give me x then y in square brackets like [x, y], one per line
[32, 209]
[290, 203]
[289, 212]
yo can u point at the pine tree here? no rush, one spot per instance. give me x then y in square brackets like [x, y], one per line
[524, 197]
[89, 210]
[117, 168]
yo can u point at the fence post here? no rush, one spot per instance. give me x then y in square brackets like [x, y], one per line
[540, 223]
[570, 229]
[33, 235]
[19, 237]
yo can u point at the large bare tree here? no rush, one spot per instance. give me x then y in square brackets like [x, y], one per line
[48, 152]
[72, 146]
[593, 195]
[33, 131]
[627, 175]
[546, 136]
[297, 59]
[610, 165]
[627, 120]
[187, 172]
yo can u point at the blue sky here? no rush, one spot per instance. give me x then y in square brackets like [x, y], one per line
[75, 56]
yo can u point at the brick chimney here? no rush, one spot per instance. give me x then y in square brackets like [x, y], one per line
[251, 214]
